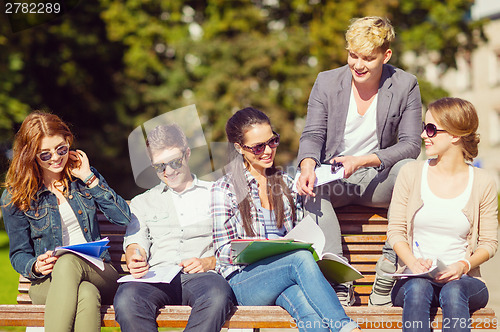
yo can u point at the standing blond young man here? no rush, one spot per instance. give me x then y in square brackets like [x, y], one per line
[366, 115]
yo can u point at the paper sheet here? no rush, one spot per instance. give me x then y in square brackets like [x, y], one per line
[323, 175]
[161, 274]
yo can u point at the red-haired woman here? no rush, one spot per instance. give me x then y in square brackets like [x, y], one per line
[51, 199]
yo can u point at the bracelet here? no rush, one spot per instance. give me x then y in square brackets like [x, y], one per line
[89, 181]
[467, 263]
[88, 177]
[37, 269]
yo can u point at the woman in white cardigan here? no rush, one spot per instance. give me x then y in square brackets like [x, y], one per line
[444, 208]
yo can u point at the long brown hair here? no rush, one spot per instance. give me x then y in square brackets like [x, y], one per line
[24, 177]
[236, 128]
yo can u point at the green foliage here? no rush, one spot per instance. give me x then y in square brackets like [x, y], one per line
[8, 276]
[440, 26]
[109, 65]
[430, 93]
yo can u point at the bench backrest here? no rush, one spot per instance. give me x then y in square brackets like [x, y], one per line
[363, 229]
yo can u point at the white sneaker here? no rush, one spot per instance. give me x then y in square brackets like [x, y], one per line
[345, 293]
[382, 286]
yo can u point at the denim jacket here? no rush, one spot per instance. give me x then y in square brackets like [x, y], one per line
[33, 232]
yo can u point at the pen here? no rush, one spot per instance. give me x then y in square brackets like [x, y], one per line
[419, 250]
[138, 252]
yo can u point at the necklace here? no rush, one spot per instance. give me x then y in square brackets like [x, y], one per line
[59, 184]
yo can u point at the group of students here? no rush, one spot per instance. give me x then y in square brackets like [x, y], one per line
[366, 115]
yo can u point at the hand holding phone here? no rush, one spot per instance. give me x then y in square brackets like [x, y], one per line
[336, 166]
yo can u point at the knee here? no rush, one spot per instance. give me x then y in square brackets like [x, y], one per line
[65, 264]
[126, 299]
[303, 263]
[88, 292]
[397, 166]
[303, 258]
[219, 295]
[452, 294]
[418, 292]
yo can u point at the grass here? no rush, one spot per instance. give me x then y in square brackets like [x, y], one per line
[8, 278]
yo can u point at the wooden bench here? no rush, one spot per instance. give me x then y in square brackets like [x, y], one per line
[364, 234]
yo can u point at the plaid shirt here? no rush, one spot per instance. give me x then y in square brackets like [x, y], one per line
[228, 224]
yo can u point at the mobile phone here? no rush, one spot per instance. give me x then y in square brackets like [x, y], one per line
[336, 166]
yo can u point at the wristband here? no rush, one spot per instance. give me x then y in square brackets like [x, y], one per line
[36, 269]
[467, 263]
[88, 177]
[89, 180]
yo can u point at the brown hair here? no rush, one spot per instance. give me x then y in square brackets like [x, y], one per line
[24, 177]
[368, 34]
[458, 117]
[236, 127]
[166, 137]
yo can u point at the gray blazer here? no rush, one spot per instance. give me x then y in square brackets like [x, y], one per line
[399, 116]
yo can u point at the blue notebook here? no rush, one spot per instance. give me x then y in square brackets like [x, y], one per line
[91, 251]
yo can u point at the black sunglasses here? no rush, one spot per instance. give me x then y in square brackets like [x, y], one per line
[431, 129]
[174, 164]
[60, 150]
[257, 149]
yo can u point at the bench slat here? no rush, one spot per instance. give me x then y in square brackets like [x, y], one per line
[248, 317]
[363, 228]
[364, 238]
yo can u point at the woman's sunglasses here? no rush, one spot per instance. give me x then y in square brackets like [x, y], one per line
[257, 149]
[431, 129]
[174, 164]
[47, 155]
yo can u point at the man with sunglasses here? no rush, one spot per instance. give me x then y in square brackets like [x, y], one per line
[171, 226]
[365, 115]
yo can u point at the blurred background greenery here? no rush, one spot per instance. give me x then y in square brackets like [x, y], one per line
[107, 66]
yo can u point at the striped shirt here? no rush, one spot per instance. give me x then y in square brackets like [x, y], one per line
[228, 224]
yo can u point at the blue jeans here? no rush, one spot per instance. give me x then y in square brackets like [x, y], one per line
[292, 281]
[209, 295]
[456, 298]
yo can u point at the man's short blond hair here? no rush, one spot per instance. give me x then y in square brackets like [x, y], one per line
[368, 34]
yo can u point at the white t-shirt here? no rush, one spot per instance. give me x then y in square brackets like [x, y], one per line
[440, 226]
[71, 230]
[360, 136]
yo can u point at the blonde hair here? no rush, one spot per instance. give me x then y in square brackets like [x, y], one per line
[368, 34]
[458, 117]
